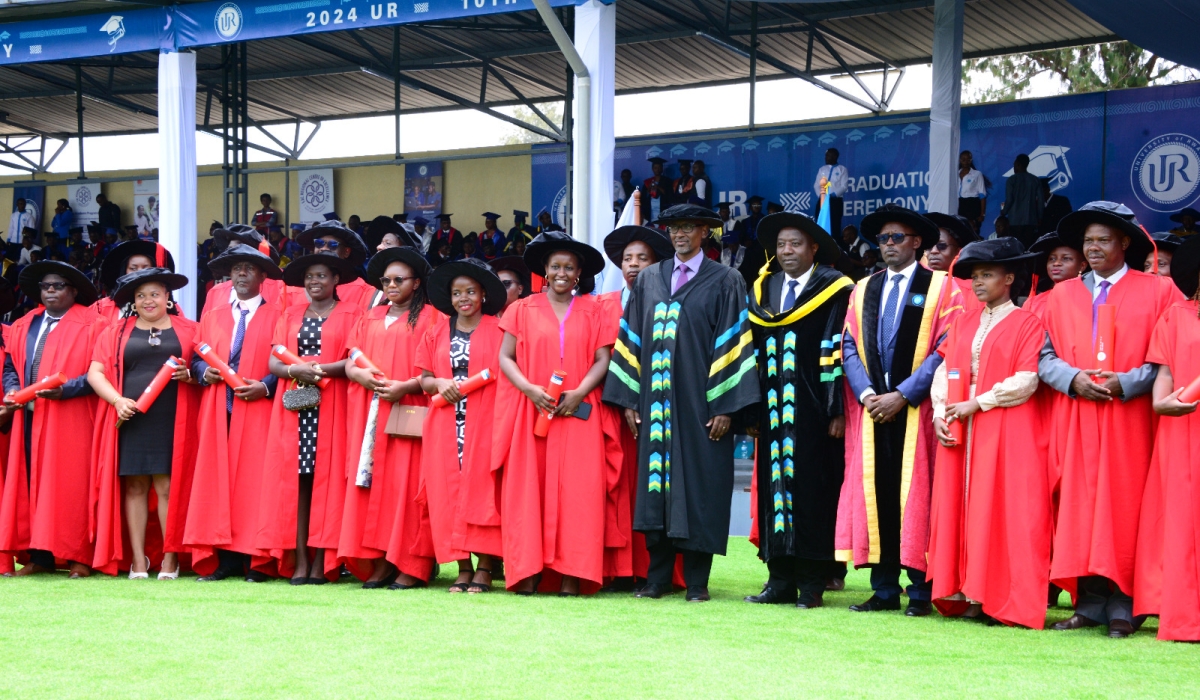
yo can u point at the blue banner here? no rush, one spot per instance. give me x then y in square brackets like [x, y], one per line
[1140, 147]
[86, 35]
[35, 200]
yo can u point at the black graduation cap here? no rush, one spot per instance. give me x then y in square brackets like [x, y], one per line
[656, 160]
[681, 161]
[444, 216]
[517, 213]
[491, 215]
[721, 205]
[754, 200]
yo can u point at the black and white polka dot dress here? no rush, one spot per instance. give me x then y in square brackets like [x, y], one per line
[460, 359]
[309, 345]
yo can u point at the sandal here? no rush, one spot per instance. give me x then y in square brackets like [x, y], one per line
[480, 587]
[537, 581]
[298, 580]
[135, 575]
[459, 587]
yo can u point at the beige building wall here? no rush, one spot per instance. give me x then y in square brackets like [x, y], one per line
[497, 179]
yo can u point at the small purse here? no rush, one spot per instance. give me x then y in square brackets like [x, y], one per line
[301, 397]
[406, 421]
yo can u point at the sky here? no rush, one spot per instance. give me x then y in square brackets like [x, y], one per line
[690, 109]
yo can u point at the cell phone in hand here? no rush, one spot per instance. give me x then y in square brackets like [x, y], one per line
[583, 412]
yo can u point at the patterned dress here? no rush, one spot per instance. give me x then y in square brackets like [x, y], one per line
[460, 357]
[308, 343]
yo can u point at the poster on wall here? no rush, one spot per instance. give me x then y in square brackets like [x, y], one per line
[34, 201]
[83, 202]
[423, 190]
[145, 207]
[316, 195]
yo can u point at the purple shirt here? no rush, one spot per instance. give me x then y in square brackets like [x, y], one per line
[692, 265]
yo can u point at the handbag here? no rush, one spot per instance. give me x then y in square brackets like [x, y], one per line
[406, 421]
[301, 397]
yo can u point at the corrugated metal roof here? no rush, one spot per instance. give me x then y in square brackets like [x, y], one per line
[662, 44]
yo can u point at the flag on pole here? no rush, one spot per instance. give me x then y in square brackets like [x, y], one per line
[631, 215]
[823, 219]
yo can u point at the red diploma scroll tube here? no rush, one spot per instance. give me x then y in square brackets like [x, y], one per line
[361, 361]
[288, 357]
[1192, 393]
[156, 386]
[29, 393]
[1106, 326]
[471, 384]
[955, 393]
[210, 356]
[555, 390]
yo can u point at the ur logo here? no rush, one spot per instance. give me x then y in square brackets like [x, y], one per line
[115, 28]
[1166, 172]
[228, 21]
[423, 170]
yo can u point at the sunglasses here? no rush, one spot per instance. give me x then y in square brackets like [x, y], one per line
[943, 247]
[897, 238]
[53, 286]
[331, 245]
[508, 284]
[397, 280]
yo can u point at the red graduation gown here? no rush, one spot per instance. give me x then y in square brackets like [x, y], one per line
[970, 302]
[50, 510]
[107, 309]
[356, 293]
[386, 520]
[1167, 579]
[223, 511]
[1101, 449]
[625, 552]
[280, 492]
[108, 526]
[990, 521]
[6, 559]
[272, 291]
[555, 488]
[464, 500]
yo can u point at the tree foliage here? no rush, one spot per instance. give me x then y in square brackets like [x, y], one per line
[516, 135]
[1092, 68]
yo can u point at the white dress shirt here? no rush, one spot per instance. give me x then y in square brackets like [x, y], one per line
[908, 273]
[837, 175]
[1111, 279]
[235, 308]
[801, 281]
[972, 185]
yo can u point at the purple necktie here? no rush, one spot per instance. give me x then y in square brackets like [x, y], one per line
[1101, 298]
[682, 279]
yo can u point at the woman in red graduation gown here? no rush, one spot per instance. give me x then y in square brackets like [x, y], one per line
[1166, 582]
[631, 248]
[223, 511]
[1057, 261]
[555, 488]
[8, 301]
[385, 537]
[123, 259]
[954, 233]
[989, 545]
[336, 238]
[304, 478]
[462, 491]
[152, 451]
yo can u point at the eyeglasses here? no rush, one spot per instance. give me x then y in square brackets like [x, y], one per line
[508, 284]
[685, 227]
[53, 286]
[321, 243]
[398, 280]
[943, 247]
[897, 238]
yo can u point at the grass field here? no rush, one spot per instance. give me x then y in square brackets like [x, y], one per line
[114, 637]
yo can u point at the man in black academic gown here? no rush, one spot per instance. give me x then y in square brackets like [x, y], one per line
[682, 369]
[747, 236]
[797, 316]
[519, 230]
[546, 222]
[449, 235]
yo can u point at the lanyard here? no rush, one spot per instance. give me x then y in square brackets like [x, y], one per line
[562, 333]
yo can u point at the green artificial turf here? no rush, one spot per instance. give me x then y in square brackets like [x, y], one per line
[119, 638]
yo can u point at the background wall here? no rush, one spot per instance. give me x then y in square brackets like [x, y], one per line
[497, 179]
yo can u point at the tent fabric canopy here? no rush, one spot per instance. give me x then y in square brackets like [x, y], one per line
[1166, 28]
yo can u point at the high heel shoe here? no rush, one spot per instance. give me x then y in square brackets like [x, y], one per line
[135, 575]
[169, 575]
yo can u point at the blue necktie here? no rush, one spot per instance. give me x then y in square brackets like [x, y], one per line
[789, 299]
[889, 311]
[235, 356]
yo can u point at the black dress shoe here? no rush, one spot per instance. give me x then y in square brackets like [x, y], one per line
[253, 576]
[383, 582]
[1119, 629]
[652, 590]
[1052, 598]
[810, 601]
[835, 584]
[771, 595]
[918, 608]
[222, 573]
[620, 584]
[1075, 622]
[698, 594]
[875, 604]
